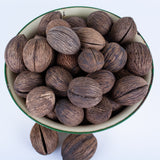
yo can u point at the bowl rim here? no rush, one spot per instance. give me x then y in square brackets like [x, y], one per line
[150, 85]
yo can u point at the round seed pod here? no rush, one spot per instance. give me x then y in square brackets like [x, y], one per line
[100, 21]
[75, 21]
[26, 81]
[84, 92]
[37, 54]
[43, 140]
[90, 38]
[68, 114]
[52, 115]
[129, 90]
[139, 58]
[79, 147]
[57, 22]
[40, 101]
[105, 79]
[13, 53]
[115, 57]
[64, 40]
[124, 30]
[122, 73]
[58, 79]
[99, 113]
[46, 19]
[69, 62]
[90, 60]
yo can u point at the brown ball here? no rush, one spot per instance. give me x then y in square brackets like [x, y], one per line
[64, 40]
[139, 58]
[57, 22]
[26, 81]
[13, 53]
[115, 57]
[43, 140]
[90, 38]
[37, 54]
[129, 90]
[105, 79]
[40, 101]
[90, 60]
[68, 114]
[46, 19]
[75, 21]
[79, 147]
[100, 21]
[99, 113]
[124, 30]
[58, 79]
[84, 92]
[69, 62]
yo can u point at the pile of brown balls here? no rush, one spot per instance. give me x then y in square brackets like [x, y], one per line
[79, 71]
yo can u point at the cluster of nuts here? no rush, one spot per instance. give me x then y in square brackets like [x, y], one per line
[78, 71]
[74, 147]
[69, 72]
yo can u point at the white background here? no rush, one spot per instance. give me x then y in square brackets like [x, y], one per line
[137, 138]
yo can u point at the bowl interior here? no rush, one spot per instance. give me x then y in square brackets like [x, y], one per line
[29, 30]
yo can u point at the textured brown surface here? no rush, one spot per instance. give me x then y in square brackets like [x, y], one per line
[84, 92]
[115, 106]
[26, 81]
[68, 114]
[139, 58]
[90, 38]
[63, 40]
[37, 54]
[90, 60]
[57, 22]
[100, 21]
[75, 21]
[79, 147]
[46, 19]
[99, 113]
[115, 57]
[40, 101]
[69, 62]
[13, 53]
[52, 115]
[43, 140]
[122, 73]
[105, 78]
[124, 30]
[129, 90]
[58, 79]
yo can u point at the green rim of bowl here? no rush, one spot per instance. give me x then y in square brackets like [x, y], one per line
[72, 131]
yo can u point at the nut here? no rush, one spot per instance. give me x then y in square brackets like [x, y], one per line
[90, 60]
[46, 19]
[75, 21]
[99, 113]
[79, 147]
[26, 81]
[84, 92]
[13, 53]
[68, 114]
[129, 90]
[115, 57]
[139, 58]
[90, 38]
[43, 140]
[40, 101]
[100, 21]
[105, 79]
[33, 54]
[124, 30]
[63, 40]
[58, 79]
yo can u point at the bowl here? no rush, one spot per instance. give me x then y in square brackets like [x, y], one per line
[29, 30]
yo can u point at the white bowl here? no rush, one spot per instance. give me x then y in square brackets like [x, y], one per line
[29, 30]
